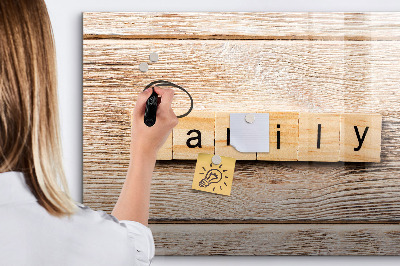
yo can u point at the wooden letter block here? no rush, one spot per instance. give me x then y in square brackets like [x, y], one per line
[283, 137]
[360, 137]
[222, 147]
[165, 152]
[194, 134]
[319, 137]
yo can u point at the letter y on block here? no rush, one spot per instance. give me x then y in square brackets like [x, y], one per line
[357, 148]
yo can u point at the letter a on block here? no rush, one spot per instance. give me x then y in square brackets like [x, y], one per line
[194, 134]
[319, 137]
[360, 137]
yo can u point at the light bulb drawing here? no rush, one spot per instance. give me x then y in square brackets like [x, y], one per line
[214, 175]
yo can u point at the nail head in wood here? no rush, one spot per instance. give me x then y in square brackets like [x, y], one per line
[144, 67]
[153, 57]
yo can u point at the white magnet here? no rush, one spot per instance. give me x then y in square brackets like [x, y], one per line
[249, 133]
[143, 67]
[216, 159]
[153, 57]
[250, 118]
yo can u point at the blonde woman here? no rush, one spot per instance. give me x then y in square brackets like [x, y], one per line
[39, 222]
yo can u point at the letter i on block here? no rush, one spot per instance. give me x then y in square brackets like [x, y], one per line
[360, 137]
[283, 137]
[194, 134]
[319, 137]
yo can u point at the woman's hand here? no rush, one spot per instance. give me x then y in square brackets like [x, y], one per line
[134, 200]
[148, 140]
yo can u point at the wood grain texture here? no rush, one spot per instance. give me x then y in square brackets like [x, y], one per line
[261, 191]
[276, 239]
[288, 129]
[370, 148]
[243, 25]
[244, 61]
[308, 76]
[319, 137]
[322, 77]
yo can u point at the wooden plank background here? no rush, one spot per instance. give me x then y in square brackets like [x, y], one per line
[309, 62]
[276, 239]
[243, 25]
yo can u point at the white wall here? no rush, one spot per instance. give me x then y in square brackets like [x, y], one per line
[66, 17]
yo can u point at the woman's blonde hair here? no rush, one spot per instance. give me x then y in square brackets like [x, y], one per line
[29, 122]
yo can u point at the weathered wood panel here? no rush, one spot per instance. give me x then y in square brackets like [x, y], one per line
[268, 75]
[276, 239]
[307, 76]
[265, 192]
[334, 62]
[243, 25]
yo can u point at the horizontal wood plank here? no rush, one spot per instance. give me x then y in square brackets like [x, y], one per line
[243, 25]
[276, 239]
[305, 76]
[261, 191]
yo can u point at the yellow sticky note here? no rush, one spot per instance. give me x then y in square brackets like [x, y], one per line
[214, 178]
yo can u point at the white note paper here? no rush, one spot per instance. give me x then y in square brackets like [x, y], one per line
[249, 137]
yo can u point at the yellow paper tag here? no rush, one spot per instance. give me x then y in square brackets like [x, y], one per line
[214, 178]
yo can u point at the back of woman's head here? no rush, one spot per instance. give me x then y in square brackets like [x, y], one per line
[29, 125]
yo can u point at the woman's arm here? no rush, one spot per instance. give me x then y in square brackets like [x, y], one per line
[133, 202]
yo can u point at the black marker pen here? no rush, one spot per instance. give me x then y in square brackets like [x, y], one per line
[151, 109]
